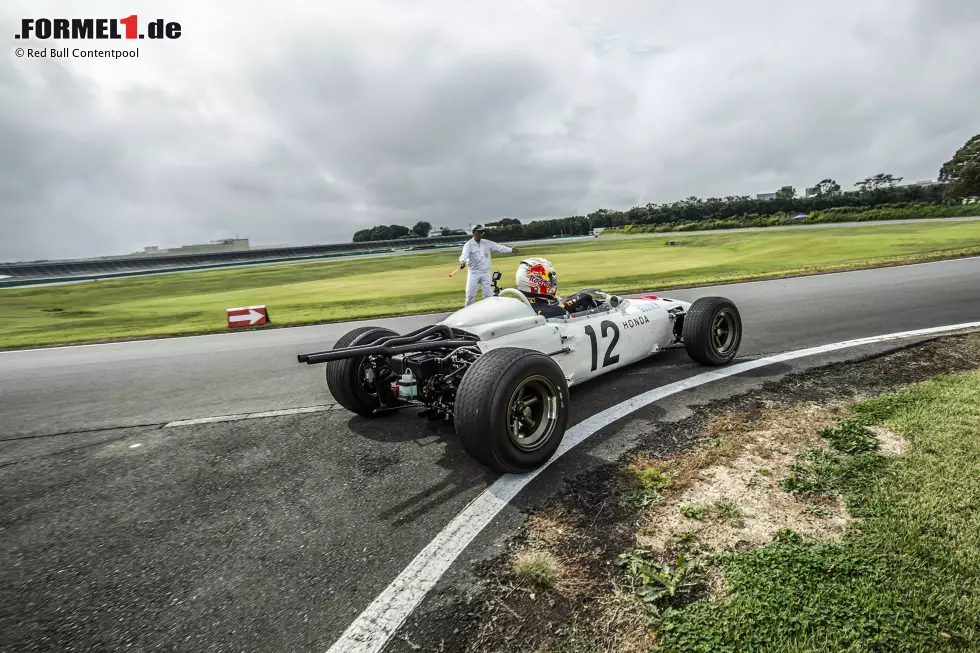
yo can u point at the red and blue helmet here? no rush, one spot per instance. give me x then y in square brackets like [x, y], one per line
[537, 276]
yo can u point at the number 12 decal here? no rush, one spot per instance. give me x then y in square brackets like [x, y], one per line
[608, 359]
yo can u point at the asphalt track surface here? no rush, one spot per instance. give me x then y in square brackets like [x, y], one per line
[275, 533]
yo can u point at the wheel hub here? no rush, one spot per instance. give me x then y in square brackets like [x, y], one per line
[724, 332]
[532, 413]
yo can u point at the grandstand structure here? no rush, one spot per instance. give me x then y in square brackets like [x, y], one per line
[37, 272]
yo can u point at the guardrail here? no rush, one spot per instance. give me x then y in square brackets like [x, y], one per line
[33, 273]
[33, 281]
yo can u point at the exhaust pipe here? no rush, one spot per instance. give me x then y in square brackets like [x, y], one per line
[442, 330]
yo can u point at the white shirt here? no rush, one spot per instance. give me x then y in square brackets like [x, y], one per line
[476, 255]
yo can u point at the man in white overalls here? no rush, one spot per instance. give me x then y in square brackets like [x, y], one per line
[476, 259]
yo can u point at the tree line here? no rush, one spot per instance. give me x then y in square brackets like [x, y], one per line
[393, 232]
[696, 209]
[959, 178]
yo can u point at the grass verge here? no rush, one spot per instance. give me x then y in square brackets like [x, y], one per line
[904, 576]
[835, 510]
[195, 302]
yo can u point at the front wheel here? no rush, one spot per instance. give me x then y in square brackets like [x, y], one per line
[712, 331]
[349, 380]
[511, 409]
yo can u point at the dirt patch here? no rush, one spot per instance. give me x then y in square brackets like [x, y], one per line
[740, 499]
[889, 443]
[726, 459]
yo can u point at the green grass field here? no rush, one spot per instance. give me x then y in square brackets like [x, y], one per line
[195, 302]
[906, 577]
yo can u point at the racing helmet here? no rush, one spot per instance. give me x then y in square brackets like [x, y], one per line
[537, 277]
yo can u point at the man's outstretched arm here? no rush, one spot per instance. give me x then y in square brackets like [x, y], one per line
[503, 249]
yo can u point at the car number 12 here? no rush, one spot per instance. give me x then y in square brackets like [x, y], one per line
[609, 358]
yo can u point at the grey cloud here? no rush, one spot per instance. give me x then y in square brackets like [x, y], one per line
[443, 141]
[940, 14]
[346, 117]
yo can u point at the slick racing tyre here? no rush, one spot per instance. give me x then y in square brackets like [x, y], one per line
[712, 331]
[511, 409]
[346, 378]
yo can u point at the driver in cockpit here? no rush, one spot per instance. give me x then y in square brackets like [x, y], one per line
[538, 280]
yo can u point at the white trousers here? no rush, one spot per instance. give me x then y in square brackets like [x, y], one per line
[476, 280]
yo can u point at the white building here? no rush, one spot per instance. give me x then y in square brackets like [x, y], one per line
[223, 245]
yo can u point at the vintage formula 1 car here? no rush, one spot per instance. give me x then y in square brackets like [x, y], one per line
[502, 371]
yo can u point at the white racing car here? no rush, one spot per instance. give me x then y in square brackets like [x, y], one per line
[502, 372]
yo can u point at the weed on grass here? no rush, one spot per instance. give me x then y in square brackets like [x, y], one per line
[538, 569]
[643, 482]
[727, 511]
[658, 583]
[815, 471]
[685, 539]
[850, 436]
[787, 536]
[820, 474]
[694, 512]
[819, 510]
[758, 475]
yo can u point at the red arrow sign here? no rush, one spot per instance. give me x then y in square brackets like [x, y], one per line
[247, 316]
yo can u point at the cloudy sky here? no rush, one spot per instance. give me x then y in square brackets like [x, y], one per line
[298, 122]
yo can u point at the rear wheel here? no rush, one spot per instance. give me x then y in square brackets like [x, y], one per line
[349, 380]
[712, 331]
[511, 409]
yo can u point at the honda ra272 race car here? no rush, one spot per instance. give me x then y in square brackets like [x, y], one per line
[502, 371]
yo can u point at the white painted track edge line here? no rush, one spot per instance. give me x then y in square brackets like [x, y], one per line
[244, 416]
[289, 411]
[205, 420]
[375, 626]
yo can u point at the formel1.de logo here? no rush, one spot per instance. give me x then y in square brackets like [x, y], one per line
[96, 28]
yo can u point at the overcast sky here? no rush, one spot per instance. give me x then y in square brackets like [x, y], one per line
[298, 122]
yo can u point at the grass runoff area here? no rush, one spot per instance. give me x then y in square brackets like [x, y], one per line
[836, 510]
[905, 576]
[195, 302]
